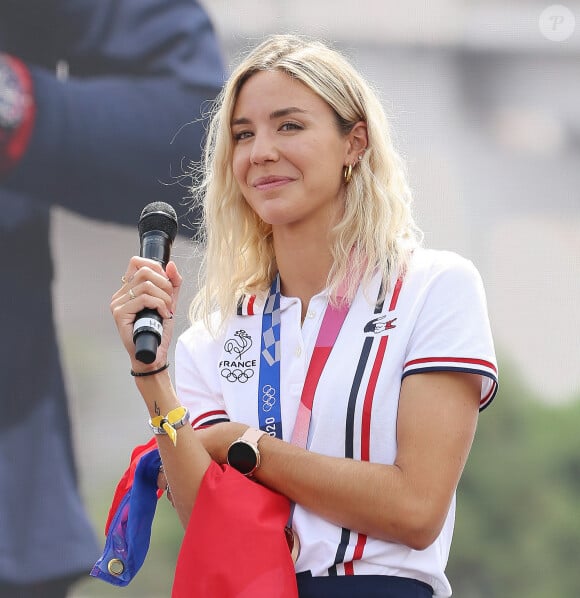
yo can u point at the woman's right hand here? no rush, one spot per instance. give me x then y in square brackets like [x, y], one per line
[146, 285]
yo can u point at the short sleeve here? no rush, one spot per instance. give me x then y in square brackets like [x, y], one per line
[194, 389]
[452, 330]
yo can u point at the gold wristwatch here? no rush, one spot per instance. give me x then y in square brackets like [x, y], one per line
[243, 453]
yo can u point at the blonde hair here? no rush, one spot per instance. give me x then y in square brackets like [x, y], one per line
[377, 229]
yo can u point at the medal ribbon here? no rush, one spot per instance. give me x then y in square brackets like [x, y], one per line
[269, 411]
[331, 324]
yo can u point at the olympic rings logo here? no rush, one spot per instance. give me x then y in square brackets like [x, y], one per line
[237, 374]
[268, 397]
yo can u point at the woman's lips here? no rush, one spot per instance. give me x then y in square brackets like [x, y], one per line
[270, 182]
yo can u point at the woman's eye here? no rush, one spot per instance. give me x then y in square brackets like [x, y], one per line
[290, 127]
[241, 135]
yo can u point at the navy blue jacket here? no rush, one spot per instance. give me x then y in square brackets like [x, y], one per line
[105, 142]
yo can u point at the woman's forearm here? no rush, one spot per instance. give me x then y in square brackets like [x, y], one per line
[184, 463]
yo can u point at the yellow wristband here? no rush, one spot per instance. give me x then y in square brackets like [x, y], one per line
[169, 424]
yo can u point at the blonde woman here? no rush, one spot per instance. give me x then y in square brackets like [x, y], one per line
[331, 358]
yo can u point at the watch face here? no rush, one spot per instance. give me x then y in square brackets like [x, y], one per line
[243, 457]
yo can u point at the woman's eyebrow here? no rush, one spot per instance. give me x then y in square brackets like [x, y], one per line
[273, 115]
[286, 112]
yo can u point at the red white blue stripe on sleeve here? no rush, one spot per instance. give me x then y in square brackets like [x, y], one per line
[209, 418]
[459, 364]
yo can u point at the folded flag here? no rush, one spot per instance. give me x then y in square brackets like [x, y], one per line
[234, 546]
[128, 527]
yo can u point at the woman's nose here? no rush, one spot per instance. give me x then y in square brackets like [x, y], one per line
[263, 149]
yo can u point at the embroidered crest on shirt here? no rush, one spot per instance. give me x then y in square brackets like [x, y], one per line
[238, 345]
[380, 325]
[238, 369]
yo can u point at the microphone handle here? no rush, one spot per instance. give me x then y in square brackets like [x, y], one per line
[147, 332]
[148, 327]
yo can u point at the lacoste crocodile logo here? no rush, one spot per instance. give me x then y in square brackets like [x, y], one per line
[379, 325]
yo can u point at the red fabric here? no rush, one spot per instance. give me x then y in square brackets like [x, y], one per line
[235, 545]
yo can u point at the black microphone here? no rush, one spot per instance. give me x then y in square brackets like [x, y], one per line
[157, 230]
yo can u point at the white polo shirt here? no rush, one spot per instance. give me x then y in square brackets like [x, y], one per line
[434, 319]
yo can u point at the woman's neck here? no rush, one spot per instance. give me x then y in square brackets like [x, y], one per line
[304, 265]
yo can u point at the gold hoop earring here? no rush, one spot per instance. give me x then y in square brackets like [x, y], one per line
[347, 174]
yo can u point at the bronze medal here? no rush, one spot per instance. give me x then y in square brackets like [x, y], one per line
[293, 542]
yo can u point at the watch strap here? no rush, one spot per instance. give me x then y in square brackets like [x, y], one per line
[252, 436]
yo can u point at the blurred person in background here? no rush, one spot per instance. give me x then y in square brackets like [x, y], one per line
[94, 96]
[332, 359]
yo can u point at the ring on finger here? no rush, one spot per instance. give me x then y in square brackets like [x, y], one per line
[124, 279]
[131, 294]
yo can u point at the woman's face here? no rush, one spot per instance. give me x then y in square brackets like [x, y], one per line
[288, 152]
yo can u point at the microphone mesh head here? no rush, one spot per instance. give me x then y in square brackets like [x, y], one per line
[158, 215]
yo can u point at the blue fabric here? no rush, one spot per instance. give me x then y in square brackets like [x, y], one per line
[139, 72]
[369, 586]
[104, 144]
[130, 530]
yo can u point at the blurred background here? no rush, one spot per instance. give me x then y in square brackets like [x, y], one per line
[483, 98]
